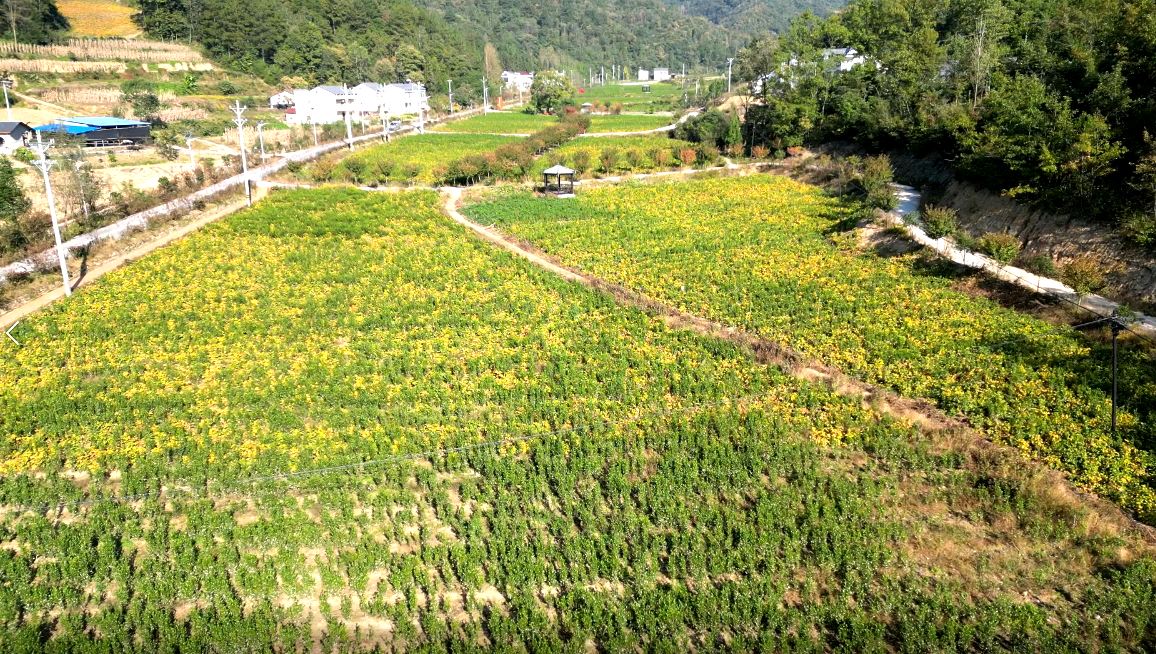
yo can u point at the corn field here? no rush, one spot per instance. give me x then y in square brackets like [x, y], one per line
[54, 66]
[173, 114]
[120, 49]
[93, 95]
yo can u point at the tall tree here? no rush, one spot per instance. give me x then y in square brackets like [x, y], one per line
[491, 64]
[13, 204]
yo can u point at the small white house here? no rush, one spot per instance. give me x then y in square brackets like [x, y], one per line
[643, 75]
[281, 100]
[661, 74]
[518, 81]
[13, 136]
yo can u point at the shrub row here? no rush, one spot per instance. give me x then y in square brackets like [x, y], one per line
[513, 160]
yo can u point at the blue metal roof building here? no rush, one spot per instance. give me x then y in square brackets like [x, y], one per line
[101, 122]
[101, 130]
[66, 129]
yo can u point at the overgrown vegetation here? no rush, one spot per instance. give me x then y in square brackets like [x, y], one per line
[752, 252]
[689, 496]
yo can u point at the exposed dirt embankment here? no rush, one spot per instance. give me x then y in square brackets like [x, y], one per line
[1062, 238]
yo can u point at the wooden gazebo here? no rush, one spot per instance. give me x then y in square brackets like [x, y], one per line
[563, 180]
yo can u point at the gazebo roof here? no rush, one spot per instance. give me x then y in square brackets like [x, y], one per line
[558, 169]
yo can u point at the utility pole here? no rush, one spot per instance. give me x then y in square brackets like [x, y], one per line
[451, 83]
[189, 142]
[420, 119]
[5, 84]
[730, 60]
[485, 98]
[348, 123]
[44, 164]
[238, 110]
[602, 77]
[261, 138]
[315, 142]
[384, 124]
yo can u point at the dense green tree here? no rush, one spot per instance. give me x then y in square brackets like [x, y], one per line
[33, 21]
[13, 205]
[550, 92]
[1046, 100]
[323, 41]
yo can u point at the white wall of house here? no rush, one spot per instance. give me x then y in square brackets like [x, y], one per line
[8, 144]
[643, 74]
[661, 74]
[518, 81]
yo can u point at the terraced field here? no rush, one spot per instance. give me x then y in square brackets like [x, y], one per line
[356, 428]
[499, 123]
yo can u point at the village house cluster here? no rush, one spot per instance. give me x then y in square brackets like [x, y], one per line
[330, 104]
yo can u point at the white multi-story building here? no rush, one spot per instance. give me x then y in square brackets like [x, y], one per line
[518, 81]
[412, 99]
[322, 105]
[329, 104]
[643, 75]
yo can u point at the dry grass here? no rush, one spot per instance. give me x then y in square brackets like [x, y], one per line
[110, 48]
[89, 95]
[54, 66]
[99, 18]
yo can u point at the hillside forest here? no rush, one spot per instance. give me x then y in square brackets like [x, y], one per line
[1052, 102]
[351, 40]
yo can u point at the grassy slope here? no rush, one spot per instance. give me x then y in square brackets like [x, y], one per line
[632, 96]
[766, 254]
[334, 326]
[626, 123]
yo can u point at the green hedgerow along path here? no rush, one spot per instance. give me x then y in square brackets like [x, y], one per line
[764, 254]
[678, 495]
[410, 160]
